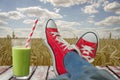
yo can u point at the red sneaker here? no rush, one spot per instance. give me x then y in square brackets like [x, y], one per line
[88, 44]
[57, 45]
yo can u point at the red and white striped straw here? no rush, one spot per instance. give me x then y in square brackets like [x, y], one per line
[31, 33]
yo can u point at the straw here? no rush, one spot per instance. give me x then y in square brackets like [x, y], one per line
[31, 33]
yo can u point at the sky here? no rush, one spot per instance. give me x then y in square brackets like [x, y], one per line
[73, 17]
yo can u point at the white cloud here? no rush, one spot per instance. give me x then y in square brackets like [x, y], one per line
[38, 33]
[24, 32]
[2, 23]
[56, 10]
[4, 16]
[4, 31]
[90, 19]
[68, 3]
[105, 3]
[6, 28]
[92, 16]
[31, 22]
[28, 21]
[94, 5]
[112, 20]
[67, 28]
[11, 15]
[102, 32]
[90, 9]
[66, 25]
[15, 15]
[117, 29]
[65, 3]
[98, 31]
[39, 12]
[113, 7]
[20, 32]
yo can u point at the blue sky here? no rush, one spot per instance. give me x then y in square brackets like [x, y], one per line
[73, 17]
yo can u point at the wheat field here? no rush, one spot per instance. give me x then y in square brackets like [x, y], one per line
[108, 52]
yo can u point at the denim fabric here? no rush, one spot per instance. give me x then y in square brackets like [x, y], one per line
[79, 69]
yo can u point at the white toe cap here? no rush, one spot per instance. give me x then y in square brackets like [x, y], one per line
[91, 37]
[51, 24]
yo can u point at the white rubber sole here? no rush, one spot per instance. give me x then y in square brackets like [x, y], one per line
[51, 52]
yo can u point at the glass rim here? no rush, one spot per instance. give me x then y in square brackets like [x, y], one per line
[20, 42]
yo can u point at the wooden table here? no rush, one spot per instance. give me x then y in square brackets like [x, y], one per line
[46, 72]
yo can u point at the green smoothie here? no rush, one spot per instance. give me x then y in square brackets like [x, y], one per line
[21, 61]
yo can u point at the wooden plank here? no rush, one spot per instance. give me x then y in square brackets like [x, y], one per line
[105, 68]
[6, 75]
[115, 70]
[45, 72]
[4, 69]
[51, 73]
[40, 73]
[32, 69]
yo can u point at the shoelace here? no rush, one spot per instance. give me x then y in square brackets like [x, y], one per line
[87, 50]
[61, 40]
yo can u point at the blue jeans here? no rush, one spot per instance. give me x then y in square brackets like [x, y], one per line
[79, 69]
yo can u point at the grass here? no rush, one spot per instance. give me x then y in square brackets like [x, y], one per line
[108, 52]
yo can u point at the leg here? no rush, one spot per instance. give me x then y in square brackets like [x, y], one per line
[80, 69]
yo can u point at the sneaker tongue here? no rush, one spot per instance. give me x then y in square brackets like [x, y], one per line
[91, 44]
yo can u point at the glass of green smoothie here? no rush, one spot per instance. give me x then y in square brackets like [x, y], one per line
[20, 58]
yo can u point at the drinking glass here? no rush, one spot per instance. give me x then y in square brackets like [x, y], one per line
[20, 58]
